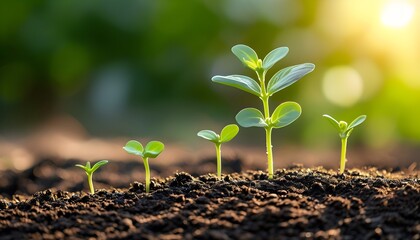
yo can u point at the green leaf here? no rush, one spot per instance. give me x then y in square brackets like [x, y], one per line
[288, 76]
[359, 120]
[98, 165]
[228, 133]
[246, 55]
[209, 135]
[285, 114]
[81, 166]
[250, 117]
[244, 83]
[333, 122]
[134, 147]
[153, 149]
[274, 56]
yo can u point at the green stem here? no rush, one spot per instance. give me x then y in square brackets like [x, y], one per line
[219, 160]
[90, 181]
[343, 154]
[147, 170]
[264, 97]
[269, 152]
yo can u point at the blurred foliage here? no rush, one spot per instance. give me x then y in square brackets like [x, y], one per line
[137, 67]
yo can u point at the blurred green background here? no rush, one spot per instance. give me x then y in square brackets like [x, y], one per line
[143, 68]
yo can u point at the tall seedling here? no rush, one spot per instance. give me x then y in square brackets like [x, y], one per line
[285, 113]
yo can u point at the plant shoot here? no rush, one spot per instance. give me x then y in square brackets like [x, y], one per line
[227, 134]
[344, 131]
[285, 113]
[152, 150]
[90, 170]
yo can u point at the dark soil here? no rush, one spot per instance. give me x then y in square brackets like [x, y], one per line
[298, 203]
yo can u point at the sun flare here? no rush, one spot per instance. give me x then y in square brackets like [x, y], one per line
[397, 14]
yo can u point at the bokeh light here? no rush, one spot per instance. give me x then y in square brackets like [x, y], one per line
[342, 85]
[397, 13]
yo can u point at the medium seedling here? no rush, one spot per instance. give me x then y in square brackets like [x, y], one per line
[90, 170]
[152, 150]
[227, 134]
[285, 113]
[344, 131]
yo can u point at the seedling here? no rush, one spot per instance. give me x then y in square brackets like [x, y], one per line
[344, 131]
[90, 170]
[285, 113]
[152, 150]
[227, 134]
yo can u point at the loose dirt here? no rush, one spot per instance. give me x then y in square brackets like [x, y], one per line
[298, 203]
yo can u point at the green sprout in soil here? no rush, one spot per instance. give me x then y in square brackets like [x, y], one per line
[152, 150]
[285, 113]
[90, 170]
[227, 134]
[344, 131]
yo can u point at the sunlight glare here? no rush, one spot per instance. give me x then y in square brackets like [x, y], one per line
[397, 14]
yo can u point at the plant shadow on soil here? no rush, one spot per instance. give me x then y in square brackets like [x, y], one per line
[298, 203]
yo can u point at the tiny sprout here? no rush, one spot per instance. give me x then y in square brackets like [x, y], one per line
[344, 131]
[89, 172]
[152, 150]
[227, 134]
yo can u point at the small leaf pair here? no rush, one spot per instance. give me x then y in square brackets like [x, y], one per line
[227, 134]
[90, 170]
[344, 131]
[283, 115]
[250, 58]
[152, 150]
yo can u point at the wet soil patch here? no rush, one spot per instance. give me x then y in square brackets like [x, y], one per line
[298, 203]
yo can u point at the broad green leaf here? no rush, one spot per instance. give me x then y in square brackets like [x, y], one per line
[359, 120]
[244, 83]
[209, 135]
[250, 117]
[134, 147]
[153, 149]
[285, 114]
[274, 56]
[246, 55]
[228, 133]
[98, 165]
[288, 76]
[333, 122]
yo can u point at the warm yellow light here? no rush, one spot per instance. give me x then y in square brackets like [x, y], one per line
[343, 86]
[397, 14]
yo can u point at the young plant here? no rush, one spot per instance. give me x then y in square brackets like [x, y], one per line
[152, 150]
[285, 113]
[90, 170]
[227, 134]
[344, 131]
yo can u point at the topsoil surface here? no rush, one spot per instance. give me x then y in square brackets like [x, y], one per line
[299, 203]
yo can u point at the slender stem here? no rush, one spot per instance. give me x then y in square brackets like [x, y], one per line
[268, 129]
[219, 160]
[90, 181]
[269, 152]
[343, 154]
[147, 170]
[266, 107]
